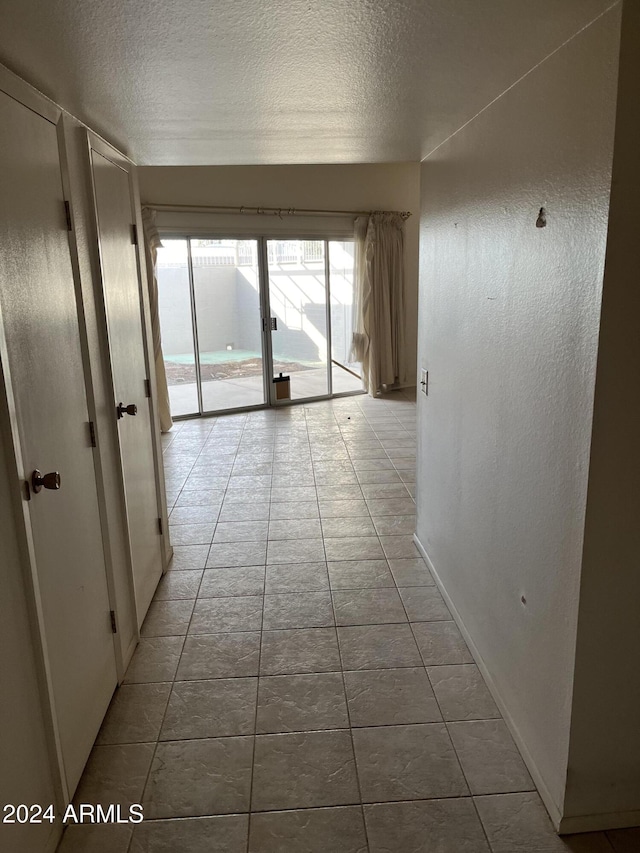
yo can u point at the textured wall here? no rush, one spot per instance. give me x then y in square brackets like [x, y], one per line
[509, 317]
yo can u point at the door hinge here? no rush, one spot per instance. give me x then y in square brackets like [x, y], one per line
[114, 627]
[134, 234]
[160, 527]
[67, 215]
[92, 433]
[147, 388]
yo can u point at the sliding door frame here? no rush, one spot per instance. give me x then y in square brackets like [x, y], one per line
[265, 310]
[194, 327]
[276, 404]
[327, 278]
[265, 305]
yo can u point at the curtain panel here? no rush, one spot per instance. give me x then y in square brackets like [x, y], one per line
[379, 311]
[152, 243]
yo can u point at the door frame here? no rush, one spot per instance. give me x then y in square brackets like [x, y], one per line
[270, 402]
[100, 146]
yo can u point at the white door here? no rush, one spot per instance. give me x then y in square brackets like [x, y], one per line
[123, 307]
[45, 373]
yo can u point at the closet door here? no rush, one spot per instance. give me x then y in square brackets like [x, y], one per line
[43, 374]
[125, 332]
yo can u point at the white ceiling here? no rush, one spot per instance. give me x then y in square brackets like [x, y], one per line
[280, 81]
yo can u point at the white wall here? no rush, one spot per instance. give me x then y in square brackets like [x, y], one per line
[508, 329]
[604, 758]
[391, 186]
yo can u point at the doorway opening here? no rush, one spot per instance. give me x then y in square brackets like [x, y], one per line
[237, 314]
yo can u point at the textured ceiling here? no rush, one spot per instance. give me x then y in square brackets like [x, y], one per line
[270, 81]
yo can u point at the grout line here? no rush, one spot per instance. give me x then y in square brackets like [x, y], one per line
[255, 716]
[346, 700]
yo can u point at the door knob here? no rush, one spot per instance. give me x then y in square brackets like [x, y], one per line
[123, 410]
[45, 481]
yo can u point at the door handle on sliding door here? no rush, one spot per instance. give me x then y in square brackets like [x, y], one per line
[270, 323]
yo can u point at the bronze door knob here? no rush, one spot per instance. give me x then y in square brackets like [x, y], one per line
[41, 481]
[123, 410]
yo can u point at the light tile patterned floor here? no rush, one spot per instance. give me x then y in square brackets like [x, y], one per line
[300, 686]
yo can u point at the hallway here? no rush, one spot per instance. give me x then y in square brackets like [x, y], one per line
[299, 665]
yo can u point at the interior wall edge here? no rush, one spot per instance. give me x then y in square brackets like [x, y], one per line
[605, 735]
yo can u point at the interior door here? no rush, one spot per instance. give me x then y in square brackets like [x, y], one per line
[300, 342]
[45, 375]
[123, 307]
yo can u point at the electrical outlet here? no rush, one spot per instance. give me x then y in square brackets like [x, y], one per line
[424, 381]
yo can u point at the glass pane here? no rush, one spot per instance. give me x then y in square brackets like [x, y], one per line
[298, 297]
[345, 373]
[176, 328]
[227, 297]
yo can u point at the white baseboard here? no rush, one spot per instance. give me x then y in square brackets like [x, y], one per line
[598, 822]
[550, 805]
[562, 825]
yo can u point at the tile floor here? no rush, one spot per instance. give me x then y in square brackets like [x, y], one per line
[300, 686]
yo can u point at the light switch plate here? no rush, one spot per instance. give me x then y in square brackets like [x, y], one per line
[424, 381]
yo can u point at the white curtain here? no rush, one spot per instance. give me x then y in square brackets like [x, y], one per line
[152, 243]
[379, 313]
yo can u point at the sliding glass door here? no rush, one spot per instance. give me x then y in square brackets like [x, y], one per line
[209, 297]
[298, 306]
[226, 287]
[345, 373]
[247, 323]
[176, 327]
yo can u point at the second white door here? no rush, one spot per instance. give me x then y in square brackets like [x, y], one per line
[125, 331]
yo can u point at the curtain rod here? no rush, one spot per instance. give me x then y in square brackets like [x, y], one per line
[273, 211]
